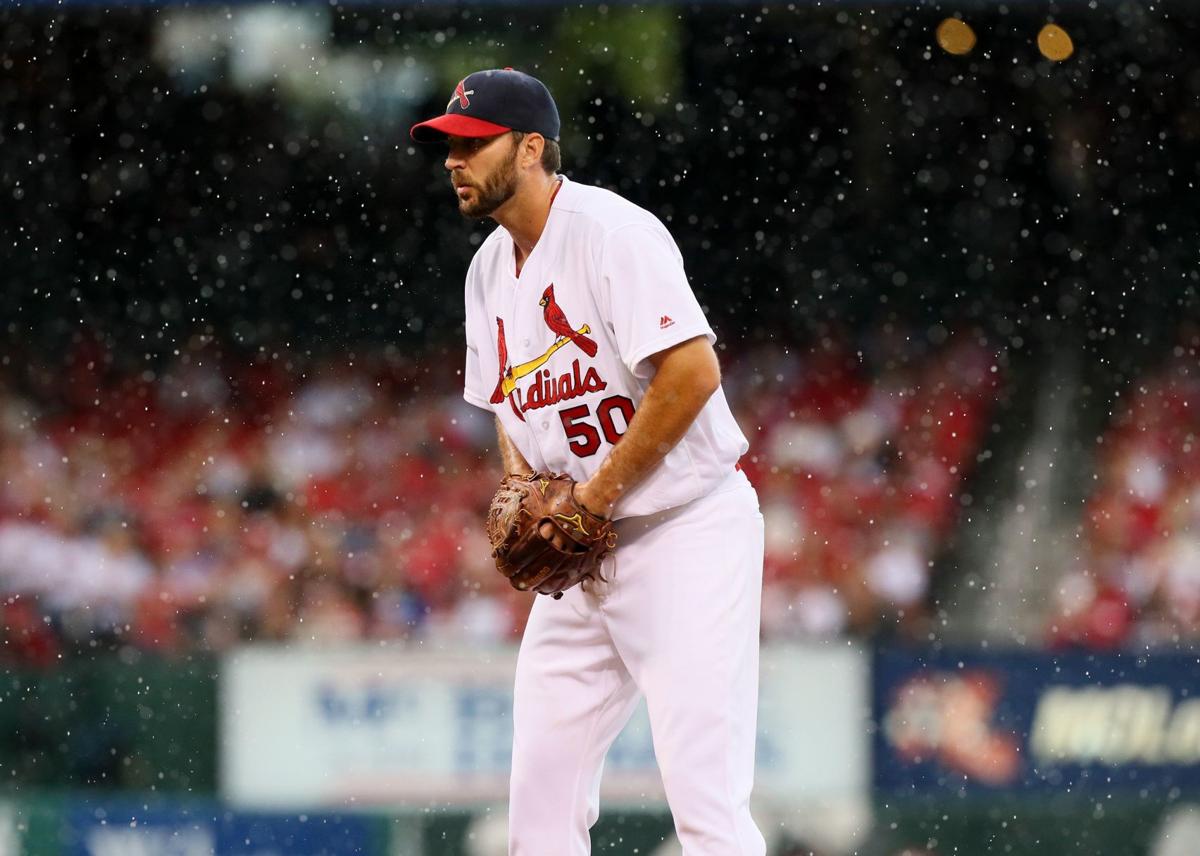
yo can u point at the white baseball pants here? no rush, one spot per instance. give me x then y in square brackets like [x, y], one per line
[677, 621]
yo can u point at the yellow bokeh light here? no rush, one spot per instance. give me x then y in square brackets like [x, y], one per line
[1054, 43]
[955, 36]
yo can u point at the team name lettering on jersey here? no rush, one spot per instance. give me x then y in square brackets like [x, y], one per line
[547, 390]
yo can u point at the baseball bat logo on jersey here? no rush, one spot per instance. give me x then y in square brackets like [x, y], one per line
[546, 389]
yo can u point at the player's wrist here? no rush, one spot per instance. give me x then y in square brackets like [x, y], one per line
[593, 500]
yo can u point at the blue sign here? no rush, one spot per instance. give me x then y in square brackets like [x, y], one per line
[206, 829]
[1069, 723]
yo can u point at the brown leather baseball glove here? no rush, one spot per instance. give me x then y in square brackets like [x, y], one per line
[531, 561]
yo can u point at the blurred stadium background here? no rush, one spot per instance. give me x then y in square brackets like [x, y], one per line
[951, 250]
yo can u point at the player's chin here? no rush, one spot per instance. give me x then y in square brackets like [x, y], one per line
[476, 210]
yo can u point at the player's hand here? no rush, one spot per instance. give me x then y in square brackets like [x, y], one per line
[588, 499]
[584, 498]
[553, 536]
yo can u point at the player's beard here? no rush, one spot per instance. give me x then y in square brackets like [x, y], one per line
[494, 191]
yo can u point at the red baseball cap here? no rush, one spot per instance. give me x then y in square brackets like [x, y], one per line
[487, 103]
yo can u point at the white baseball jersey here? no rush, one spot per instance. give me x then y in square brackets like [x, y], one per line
[560, 353]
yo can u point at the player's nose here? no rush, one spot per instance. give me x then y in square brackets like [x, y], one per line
[456, 155]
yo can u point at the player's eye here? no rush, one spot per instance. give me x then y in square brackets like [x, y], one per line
[468, 146]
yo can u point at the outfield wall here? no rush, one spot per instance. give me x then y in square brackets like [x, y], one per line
[376, 752]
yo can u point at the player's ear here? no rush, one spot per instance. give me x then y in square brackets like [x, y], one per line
[531, 149]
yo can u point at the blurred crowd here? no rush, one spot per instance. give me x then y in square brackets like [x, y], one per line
[275, 496]
[272, 496]
[860, 475]
[1137, 577]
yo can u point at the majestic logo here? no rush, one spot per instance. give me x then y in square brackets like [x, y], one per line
[665, 322]
[460, 94]
[546, 389]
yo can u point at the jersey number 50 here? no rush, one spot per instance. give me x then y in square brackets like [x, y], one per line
[584, 438]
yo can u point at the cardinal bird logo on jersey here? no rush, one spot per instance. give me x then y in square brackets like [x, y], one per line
[545, 389]
[557, 321]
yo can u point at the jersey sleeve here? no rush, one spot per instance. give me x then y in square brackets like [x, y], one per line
[474, 385]
[646, 296]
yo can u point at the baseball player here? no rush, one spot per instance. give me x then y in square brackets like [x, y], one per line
[585, 341]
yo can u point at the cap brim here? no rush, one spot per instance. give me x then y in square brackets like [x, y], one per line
[454, 125]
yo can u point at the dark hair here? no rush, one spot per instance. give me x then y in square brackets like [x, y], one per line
[551, 153]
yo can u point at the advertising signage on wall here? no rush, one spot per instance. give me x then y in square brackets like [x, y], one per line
[367, 726]
[165, 828]
[1070, 722]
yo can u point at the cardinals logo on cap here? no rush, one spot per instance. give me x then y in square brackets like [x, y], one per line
[461, 94]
